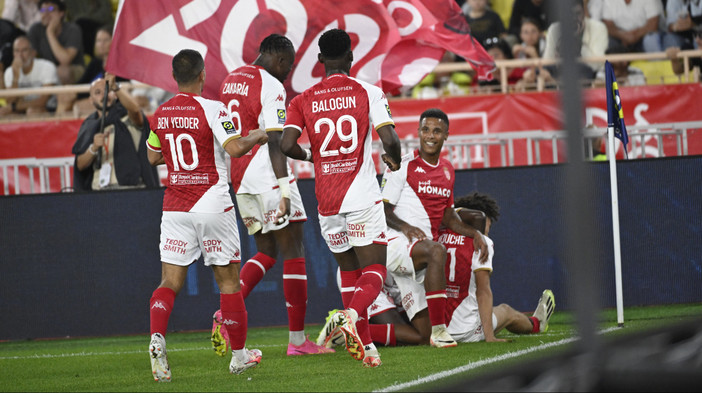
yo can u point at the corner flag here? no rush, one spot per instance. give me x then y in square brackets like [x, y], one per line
[615, 114]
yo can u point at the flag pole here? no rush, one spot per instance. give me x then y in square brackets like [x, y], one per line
[615, 225]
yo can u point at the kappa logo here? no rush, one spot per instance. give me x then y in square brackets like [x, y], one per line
[160, 305]
[382, 235]
[230, 322]
[288, 305]
[297, 214]
[419, 169]
[280, 98]
[374, 307]
[223, 113]
[236, 254]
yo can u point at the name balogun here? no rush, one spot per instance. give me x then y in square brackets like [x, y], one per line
[335, 103]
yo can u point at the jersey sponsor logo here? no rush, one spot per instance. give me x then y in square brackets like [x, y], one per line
[270, 216]
[175, 245]
[249, 221]
[341, 166]
[425, 187]
[228, 127]
[160, 305]
[334, 103]
[239, 88]
[356, 230]
[452, 291]
[181, 179]
[451, 239]
[419, 169]
[212, 245]
[281, 116]
[408, 301]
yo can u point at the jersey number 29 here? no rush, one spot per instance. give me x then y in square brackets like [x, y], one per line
[336, 129]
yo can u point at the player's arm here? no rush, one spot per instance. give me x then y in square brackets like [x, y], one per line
[398, 224]
[238, 146]
[391, 144]
[483, 293]
[452, 221]
[474, 218]
[290, 147]
[153, 151]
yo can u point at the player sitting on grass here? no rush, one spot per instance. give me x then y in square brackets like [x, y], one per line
[471, 316]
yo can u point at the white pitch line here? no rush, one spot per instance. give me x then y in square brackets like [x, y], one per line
[78, 354]
[473, 365]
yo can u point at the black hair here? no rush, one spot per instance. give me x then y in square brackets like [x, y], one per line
[107, 28]
[59, 3]
[434, 112]
[499, 43]
[187, 65]
[334, 43]
[275, 43]
[479, 201]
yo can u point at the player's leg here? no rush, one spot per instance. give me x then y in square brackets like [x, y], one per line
[252, 208]
[431, 256]
[512, 320]
[390, 329]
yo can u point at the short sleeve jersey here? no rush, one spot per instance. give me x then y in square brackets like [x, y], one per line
[255, 99]
[339, 114]
[460, 265]
[190, 131]
[420, 192]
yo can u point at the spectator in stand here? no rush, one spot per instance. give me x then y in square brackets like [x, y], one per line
[593, 9]
[535, 9]
[626, 74]
[590, 33]
[90, 15]
[684, 22]
[27, 71]
[59, 41]
[123, 162]
[23, 13]
[484, 23]
[633, 24]
[499, 50]
[531, 42]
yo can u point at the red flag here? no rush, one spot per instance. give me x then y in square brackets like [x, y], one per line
[395, 43]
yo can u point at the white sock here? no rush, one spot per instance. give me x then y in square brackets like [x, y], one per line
[297, 338]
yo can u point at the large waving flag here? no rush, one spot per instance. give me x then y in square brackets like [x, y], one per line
[395, 42]
[615, 113]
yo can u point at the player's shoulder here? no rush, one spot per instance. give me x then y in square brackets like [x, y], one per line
[411, 156]
[445, 163]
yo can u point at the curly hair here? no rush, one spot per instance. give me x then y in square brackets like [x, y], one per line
[334, 43]
[275, 43]
[482, 202]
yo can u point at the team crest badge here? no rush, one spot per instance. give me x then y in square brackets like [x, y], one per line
[448, 175]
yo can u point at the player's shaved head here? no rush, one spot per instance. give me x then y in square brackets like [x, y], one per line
[435, 113]
[334, 44]
[276, 43]
[187, 66]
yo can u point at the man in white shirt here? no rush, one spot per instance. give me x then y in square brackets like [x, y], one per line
[27, 71]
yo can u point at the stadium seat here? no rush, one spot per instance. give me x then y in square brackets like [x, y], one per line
[657, 71]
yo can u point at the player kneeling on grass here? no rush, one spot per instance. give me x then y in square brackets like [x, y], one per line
[192, 136]
[471, 316]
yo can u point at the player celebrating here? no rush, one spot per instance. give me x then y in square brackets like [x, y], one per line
[339, 114]
[418, 199]
[190, 134]
[472, 317]
[262, 181]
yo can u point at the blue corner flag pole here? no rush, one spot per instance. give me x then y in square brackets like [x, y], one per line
[615, 128]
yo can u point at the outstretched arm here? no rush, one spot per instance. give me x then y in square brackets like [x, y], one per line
[239, 146]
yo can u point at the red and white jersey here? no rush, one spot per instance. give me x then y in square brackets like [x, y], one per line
[420, 192]
[255, 99]
[339, 114]
[461, 262]
[190, 131]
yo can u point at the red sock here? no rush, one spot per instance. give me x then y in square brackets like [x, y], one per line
[362, 327]
[537, 325]
[368, 287]
[348, 285]
[295, 290]
[234, 318]
[383, 334]
[436, 303]
[160, 306]
[252, 272]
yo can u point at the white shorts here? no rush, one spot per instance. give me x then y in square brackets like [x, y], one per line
[467, 328]
[185, 236]
[354, 229]
[410, 283]
[258, 211]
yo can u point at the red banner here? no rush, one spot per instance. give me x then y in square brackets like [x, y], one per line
[395, 43]
[485, 114]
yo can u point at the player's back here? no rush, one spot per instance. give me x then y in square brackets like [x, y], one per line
[255, 99]
[197, 173]
[338, 114]
[459, 272]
